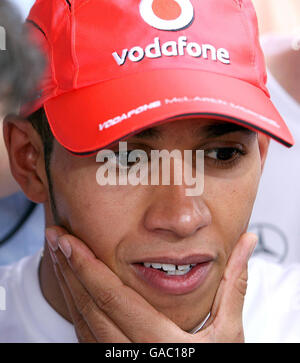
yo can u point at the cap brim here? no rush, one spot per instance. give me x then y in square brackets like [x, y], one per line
[94, 117]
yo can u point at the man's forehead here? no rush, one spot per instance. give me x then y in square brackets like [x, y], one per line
[204, 128]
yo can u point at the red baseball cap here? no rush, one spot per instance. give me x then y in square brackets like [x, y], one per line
[119, 66]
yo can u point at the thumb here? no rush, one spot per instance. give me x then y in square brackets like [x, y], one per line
[226, 313]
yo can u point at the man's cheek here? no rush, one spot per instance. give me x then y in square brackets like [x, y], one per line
[90, 219]
[231, 207]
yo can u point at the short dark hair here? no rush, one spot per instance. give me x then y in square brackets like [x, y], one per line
[39, 122]
[21, 64]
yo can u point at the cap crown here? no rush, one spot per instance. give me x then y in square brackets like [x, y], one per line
[91, 41]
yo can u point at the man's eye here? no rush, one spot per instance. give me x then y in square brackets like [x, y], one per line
[221, 154]
[122, 160]
[127, 159]
[225, 154]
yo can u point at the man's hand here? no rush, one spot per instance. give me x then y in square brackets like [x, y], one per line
[105, 310]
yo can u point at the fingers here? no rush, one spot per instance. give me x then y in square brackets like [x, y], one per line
[87, 315]
[83, 332]
[128, 311]
[103, 308]
[226, 313]
[90, 323]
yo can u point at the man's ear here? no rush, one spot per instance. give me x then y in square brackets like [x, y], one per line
[263, 142]
[26, 157]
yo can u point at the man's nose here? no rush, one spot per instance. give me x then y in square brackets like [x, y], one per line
[173, 213]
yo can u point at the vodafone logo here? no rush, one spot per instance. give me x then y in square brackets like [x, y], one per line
[167, 14]
[170, 15]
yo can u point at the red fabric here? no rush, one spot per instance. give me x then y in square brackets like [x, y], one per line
[88, 86]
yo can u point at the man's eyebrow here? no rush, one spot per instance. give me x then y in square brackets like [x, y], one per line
[151, 133]
[220, 129]
[212, 130]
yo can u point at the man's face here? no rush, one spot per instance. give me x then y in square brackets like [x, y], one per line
[126, 226]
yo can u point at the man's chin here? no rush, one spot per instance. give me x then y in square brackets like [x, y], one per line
[183, 312]
[186, 320]
[187, 310]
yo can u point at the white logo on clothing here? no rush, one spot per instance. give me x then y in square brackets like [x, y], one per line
[173, 48]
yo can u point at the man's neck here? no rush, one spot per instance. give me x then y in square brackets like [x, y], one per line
[285, 67]
[50, 287]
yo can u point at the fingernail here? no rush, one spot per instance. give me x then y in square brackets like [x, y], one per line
[254, 243]
[51, 237]
[65, 247]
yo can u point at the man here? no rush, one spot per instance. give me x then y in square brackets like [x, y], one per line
[156, 265]
[21, 224]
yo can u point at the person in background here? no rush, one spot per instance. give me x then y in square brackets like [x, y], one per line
[21, 221]
[278, 227]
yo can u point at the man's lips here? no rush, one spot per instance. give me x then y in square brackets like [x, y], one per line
[175, 284]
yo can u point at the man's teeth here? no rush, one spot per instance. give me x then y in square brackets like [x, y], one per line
[170, 269]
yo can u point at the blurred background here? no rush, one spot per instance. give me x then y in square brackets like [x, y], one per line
[278, 16]
[24, 6]
[276, 212]
[21, 221]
